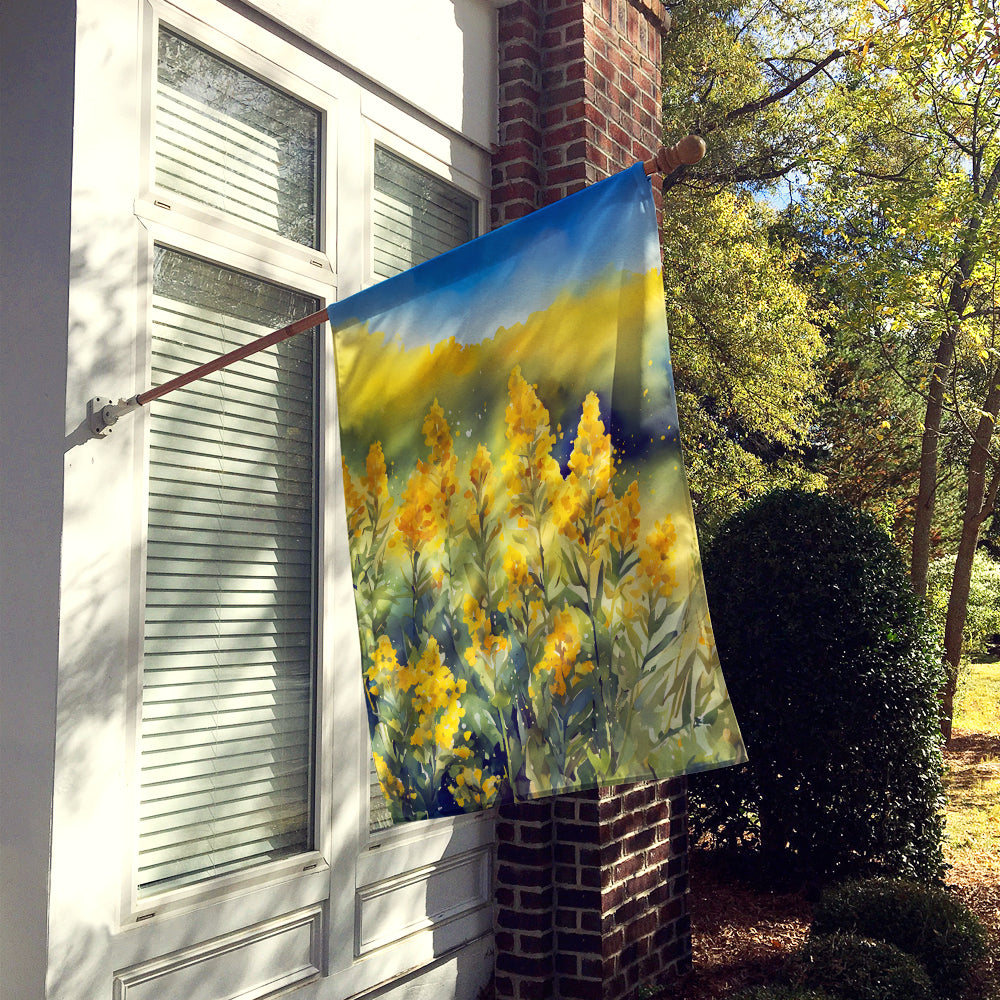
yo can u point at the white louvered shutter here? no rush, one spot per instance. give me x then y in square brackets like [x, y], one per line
[228, 675]
[228, 658]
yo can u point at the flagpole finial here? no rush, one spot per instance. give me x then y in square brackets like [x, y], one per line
[668, 158]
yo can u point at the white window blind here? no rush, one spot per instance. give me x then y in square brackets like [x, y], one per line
[416, 215]
[228, 140]
[226, 755]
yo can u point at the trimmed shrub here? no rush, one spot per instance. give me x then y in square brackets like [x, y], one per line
[925, 922]
[856, 968]
[782, 993]
[833, 672]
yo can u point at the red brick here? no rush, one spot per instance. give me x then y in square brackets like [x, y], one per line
[567, 175]
[538, 966]
[536, 944]
[521, 90]
[567, 964]
[642, 882]
[518, 10]
[518, 49]
[551, 39]
[553, 116]
[579, 942]
[521, 130]
[540, 989]
[514, 875]
[563, 55]
[518, 111]
[570, 15]
[531, 899]
[573, 988]
[568, 93]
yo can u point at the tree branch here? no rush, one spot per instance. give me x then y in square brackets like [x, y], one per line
[754, 106]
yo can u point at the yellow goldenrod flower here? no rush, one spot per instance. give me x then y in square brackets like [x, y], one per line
[558, 663]
[656, 560]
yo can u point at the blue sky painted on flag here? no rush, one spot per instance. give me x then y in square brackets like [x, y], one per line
[503, 277]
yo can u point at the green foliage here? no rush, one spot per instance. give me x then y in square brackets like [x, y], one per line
[983, 613]
[747, 357]
[781, 992]
[926, 922]
[833, 673]
[857, 968]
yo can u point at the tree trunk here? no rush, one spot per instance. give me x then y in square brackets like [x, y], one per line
[920, 553]
[980, 499]
[958, 299]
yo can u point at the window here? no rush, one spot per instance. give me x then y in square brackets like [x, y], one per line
[229, 647]
[416, 215]
[228, 140]
[250, 802]
[227, 706]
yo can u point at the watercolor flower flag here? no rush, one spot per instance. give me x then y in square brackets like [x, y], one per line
[529, 596]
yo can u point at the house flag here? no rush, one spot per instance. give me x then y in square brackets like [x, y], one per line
[529, 594]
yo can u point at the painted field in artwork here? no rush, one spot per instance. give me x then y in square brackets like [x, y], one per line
[526, 574]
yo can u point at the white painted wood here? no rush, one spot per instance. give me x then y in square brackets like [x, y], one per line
[421, 898]
[253, 964]
[439, 57]
[83, 512]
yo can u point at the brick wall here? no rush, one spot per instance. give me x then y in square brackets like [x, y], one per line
[579, 96]
[591, 889]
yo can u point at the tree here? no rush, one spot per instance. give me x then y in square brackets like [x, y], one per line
[747, 353]
[746, 356]
[914, 184]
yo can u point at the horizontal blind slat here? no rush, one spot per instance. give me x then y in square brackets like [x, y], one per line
[227, 677]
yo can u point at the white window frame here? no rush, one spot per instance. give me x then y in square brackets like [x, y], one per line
[180, 224]
[351, 869]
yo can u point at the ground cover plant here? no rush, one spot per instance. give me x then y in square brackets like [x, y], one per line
[926, 922]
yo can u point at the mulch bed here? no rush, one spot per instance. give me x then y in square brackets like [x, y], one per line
[742, 934]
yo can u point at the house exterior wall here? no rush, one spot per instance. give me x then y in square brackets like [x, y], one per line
[36, 116]
[400, 913]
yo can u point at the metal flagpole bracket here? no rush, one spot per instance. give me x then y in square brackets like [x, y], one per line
[103, 413]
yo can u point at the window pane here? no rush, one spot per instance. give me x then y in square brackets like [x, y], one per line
[226, 139]
[228, 679]
[417, 215]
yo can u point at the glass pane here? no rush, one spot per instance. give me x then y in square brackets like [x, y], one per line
[416, 215]
[229, 140]
[228, 680]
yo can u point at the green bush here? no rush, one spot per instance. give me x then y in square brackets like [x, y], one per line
[782, 993]
[833, 673]
[856, 968]
[982, 618]
[925, 922]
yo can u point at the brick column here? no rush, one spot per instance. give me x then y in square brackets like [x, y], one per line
[591, 893]
[579, 96]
